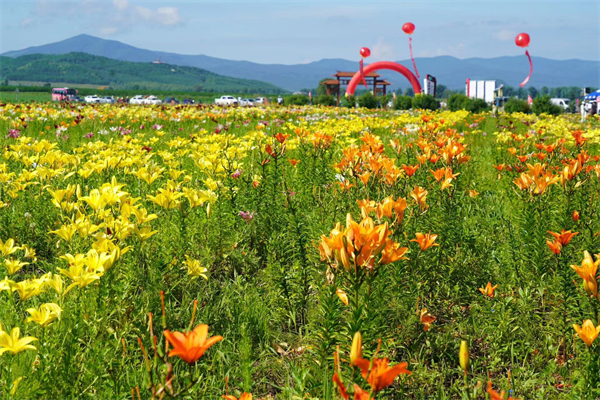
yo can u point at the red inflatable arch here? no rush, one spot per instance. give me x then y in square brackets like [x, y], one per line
[384, 65]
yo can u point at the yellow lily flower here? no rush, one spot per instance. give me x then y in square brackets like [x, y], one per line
[28, 288]
[54, 281]
[6, 284]
[95, 200]
[7, 248]
[47, 313]
[66, 232]
[142, 215]
[195, 268]
[14, 265]
[145, 233]
[80, 276]
[13, 343]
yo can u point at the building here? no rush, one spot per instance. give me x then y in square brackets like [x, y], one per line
[342, 78]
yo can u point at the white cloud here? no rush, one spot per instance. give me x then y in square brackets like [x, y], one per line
[505, 35]
[165, 16]
[168, 16]
[144, 13]
[121, 4]
[111, 16]
[26, 22]
[382, 51]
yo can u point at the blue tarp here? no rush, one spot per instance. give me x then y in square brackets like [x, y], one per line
[593, 96]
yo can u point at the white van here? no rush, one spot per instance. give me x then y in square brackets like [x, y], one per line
[564, 103]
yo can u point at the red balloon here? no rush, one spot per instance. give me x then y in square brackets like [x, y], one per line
[365, 52]
[408, 28]
[522, 40]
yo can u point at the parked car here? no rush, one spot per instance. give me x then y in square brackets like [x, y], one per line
[139, 99]
[152, 100]
[260, 100]
[92, 99]
[226, 101]
[190, 101]
[170, 100]
[247, 102]
[563, 103]
[75, 99]
[107, 99]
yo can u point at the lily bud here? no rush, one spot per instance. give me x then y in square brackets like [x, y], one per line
[356, 350]
[208, 209]
[345, 259]
[463, 356]
[591, 286]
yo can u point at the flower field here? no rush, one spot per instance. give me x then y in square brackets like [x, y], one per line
[297, 253]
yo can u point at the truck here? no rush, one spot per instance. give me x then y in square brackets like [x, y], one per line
[226, 101]
[481, 89]
[562, 103]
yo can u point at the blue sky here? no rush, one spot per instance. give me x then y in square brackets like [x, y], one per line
[290, 32]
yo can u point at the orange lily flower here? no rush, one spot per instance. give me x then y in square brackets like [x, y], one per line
[343, 391]
[588, 333]
[384, 209]
[438, 174]
[244, 396]
[434, 158]
[419, 195]
[365, 178]
[554, 246]
[409, 169]
[281, 137]
[358, 244]
[564, 237]
[360, 394]
[473, 193]
[392, 252]
[425, 240]
[575, 216]
[523, 182]
[382, 375]
[423, 158]
[269, 150]
[426, 319]
[399, 207]
[587, 271]
[493, 394]
[489, 290]
[190, 346]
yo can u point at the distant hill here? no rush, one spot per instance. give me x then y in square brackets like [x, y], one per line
[90, 69]
[449, 71]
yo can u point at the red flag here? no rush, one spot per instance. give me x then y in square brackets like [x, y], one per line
[310, 95]
[394, 95]
[529, 100]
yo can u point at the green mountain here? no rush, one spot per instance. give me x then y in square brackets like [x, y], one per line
[449, 71]
[89, 69]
